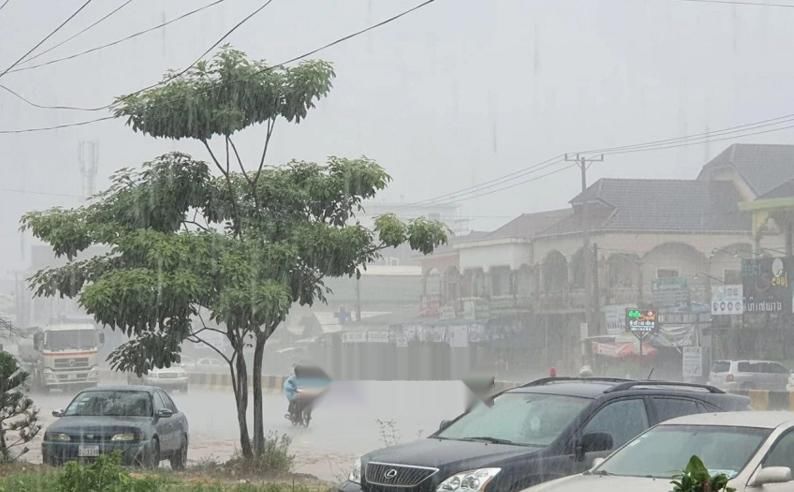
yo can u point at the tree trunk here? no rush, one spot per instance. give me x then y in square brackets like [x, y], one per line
[259, 429]
[241, 397]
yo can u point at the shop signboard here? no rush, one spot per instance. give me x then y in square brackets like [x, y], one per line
[766, 285]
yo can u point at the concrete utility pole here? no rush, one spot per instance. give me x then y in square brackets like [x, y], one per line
[583, 163]
[88, 156]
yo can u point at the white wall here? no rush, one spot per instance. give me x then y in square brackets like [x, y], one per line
[487, 255]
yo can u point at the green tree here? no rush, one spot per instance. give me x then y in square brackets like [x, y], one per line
[18, 416]
[239, 246]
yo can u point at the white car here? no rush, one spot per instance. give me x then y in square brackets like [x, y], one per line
[168, 378]
[754, 449]
[210, 365]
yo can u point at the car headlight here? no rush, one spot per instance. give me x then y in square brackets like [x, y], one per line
[124, 436]
[58, 437]
[355, 473]
[469, 481]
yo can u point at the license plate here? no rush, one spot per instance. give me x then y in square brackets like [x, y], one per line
[88, 451]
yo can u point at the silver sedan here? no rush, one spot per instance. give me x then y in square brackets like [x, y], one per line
[754, 449]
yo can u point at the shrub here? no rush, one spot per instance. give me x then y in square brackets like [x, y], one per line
[274, 460]
[696, 478]
[104, 475]
[18, 417]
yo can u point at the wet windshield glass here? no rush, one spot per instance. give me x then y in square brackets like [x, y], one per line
[110, 404]
[70, 340]
[520, 418]
[663, 452]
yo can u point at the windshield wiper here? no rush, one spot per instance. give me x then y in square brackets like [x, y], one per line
[492, 440]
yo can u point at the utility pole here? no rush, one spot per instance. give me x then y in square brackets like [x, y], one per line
[88, 156]
[583, 163]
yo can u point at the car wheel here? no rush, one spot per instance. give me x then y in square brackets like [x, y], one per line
[179, 460]
[153, 460]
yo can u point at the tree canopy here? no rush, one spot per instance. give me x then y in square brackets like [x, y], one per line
[240, 246]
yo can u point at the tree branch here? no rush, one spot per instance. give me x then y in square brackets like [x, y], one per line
[239, 161]
[271, 124]
[192, 222]
[195, 339]
[227, 175]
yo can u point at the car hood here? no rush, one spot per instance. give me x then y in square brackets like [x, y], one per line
[78, 425]
[598, 483]
[451, 455]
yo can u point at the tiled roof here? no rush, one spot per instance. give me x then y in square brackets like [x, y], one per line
[784, 190]
[763, 166]
[659, 205]
[526, 226]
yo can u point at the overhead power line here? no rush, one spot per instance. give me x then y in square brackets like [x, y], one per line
[352, 35]
[78, 33]
[741, 2]
[48, 36]
[56, 127]
[118, 41]
[151, 86]
[291, 60]
[515, 178]
[3, 5]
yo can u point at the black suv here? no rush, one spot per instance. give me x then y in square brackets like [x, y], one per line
[542, 430]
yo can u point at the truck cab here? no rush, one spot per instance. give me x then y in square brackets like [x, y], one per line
[65, 355]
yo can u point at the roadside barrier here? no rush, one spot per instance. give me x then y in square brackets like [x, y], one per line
[210, 381]
[769, 400]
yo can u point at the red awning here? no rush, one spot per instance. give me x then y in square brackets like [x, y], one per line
[622, 350]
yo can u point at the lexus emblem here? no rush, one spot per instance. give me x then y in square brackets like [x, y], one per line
[390, 474]
[72, 362]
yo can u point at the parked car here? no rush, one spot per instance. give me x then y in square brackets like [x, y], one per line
[743, 375]
[210, 365]
[140, 422]
[546, 429]
[754, 449]
[168, 378]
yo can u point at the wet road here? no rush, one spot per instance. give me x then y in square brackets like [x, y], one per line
[344, 426]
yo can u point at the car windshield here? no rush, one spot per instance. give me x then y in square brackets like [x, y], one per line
[529, 419]
[110, 404]
[70, 340]
[665, 450]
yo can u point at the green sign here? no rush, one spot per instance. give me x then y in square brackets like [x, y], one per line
[642, 322]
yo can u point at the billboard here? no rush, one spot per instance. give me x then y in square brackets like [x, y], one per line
[766, 285]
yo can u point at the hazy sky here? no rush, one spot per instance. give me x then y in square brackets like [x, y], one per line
[459, 92]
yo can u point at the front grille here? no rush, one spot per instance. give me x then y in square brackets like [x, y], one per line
[75, 363]
[389, 475]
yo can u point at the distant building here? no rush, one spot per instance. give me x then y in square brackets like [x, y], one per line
[654, 242]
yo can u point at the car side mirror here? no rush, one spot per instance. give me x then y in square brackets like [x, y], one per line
[164, 413]
[592, 443]
[444, 424]
[58, 413]
[597, 462]
[772, 474]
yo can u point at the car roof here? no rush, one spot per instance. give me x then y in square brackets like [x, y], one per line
[122, 387]
[585, 389]
[761, 419]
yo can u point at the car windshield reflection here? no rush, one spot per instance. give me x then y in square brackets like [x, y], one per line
[110, 404]
[518, 418]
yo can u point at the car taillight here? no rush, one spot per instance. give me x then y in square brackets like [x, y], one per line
[729, 378]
